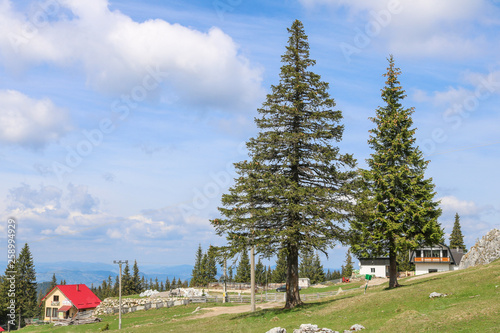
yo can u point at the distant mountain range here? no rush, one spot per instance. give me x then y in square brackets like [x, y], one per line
[89, 273]
[94, 273]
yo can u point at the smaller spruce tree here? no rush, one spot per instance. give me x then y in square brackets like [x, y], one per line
[456, 237]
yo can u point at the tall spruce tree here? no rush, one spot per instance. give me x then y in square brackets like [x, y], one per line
[211, 269]
[26, 294]
[398, 211]
[260, 273]
[295, 191]
[306, 266]
[195, 275]
[243, 269]
[456, 237]
[318, 270]
[5, 282]
[279, 272]
[136, 279]
[126, 281]
[53, 282]
[349, 265]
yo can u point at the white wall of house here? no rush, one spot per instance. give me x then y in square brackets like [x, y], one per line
[377, 270]
[304, 282]
[423, 268]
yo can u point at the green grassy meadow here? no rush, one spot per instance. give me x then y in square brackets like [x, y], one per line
[472, 305]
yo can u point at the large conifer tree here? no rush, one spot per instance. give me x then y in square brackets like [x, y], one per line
[279, 273]
[26, 294]
[399, 210]
[243, 269]
[294, 191]
[195, 275]
[136, 279]
[349, 265]
[456, 237]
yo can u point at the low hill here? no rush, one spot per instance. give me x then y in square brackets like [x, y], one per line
[472, 304]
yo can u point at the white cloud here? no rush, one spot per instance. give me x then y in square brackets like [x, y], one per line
[81, 200]
[478, 87]
[27, 198]
[452, 205]
[118, 53]
[446, 28]
[29, 122]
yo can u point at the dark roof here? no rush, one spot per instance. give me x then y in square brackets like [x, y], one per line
[374, 261]
[457, 255]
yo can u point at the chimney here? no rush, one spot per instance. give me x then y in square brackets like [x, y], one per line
[77, 287]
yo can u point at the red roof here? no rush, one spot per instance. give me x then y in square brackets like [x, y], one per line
[1, 329]
[79, 294]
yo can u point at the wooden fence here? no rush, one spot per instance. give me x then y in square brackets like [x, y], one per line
[269, 297]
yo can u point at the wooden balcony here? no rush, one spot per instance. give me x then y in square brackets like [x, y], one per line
[431, 259]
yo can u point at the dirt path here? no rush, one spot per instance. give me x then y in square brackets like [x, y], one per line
[218, 310]
[376, 282]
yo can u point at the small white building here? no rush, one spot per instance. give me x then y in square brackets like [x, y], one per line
[379, 267]
[435, 258]
[304, 282]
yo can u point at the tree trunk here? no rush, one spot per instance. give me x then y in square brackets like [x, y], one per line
[292, 278]
[393, 267]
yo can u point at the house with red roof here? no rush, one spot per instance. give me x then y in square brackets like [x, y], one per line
[65, 301]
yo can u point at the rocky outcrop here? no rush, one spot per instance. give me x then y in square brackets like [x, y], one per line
[486, 250]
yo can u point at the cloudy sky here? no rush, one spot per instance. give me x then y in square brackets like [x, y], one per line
[120, 120]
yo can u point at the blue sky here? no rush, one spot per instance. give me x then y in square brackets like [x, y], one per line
[120, 120]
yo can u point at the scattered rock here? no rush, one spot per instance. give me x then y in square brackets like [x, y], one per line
[310, 328]
[357, 327]
[148, 293]
[486, 250]
[435, 294]
[277, 330]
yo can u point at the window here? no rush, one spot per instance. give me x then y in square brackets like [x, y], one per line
[54, 312]
[432, 270]
[47, 312]
[418, 253]
[372, 270]
[445, 253]
[56, 298]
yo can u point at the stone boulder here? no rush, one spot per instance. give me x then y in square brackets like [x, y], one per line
[486, 250]
[310, 328]
[277, 330]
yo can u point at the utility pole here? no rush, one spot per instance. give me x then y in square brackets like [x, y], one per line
[252, 278]
[120, 262]
[224, 292]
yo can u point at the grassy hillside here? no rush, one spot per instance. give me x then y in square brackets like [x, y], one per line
[472, 305]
